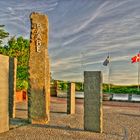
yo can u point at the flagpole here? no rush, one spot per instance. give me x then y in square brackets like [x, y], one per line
[108, 64]
[109, 78]
[109, 74]
[138, 71]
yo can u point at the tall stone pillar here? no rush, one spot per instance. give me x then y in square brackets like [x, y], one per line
[39, 70]
[4, 93]
[12, 86]
[71, 98]
[93, 101]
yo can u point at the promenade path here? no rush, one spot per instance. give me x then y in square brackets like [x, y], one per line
[121, 121]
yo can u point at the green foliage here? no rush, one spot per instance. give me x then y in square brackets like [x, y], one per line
[121, 89]
[3, 34]
[113, 88]
[19, 48]
[22, 84]
[79, 86]
[63, 86]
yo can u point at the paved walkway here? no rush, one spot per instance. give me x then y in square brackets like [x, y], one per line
[121, 121]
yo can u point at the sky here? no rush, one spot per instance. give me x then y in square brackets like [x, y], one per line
[81, 33]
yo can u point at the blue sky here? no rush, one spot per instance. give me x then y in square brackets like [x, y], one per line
[81, 34]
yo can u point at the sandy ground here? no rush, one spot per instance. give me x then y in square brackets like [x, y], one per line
[121, 121]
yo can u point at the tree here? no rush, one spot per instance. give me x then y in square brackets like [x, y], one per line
[63, 85]
[78, 86]
[3, 34]
[19, 48]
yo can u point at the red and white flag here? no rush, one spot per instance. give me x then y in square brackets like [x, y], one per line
[135, 58]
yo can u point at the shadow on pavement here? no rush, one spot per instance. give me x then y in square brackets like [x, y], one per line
[58, 112]
[130, 115]
[17, 122]
[63, 127]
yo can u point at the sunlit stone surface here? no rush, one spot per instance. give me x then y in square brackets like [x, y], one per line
[39, 70]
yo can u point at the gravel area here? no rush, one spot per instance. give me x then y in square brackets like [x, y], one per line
[119, 123]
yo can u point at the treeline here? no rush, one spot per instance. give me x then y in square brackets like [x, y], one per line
[79, 86]
[132, 89]
[63, 85]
